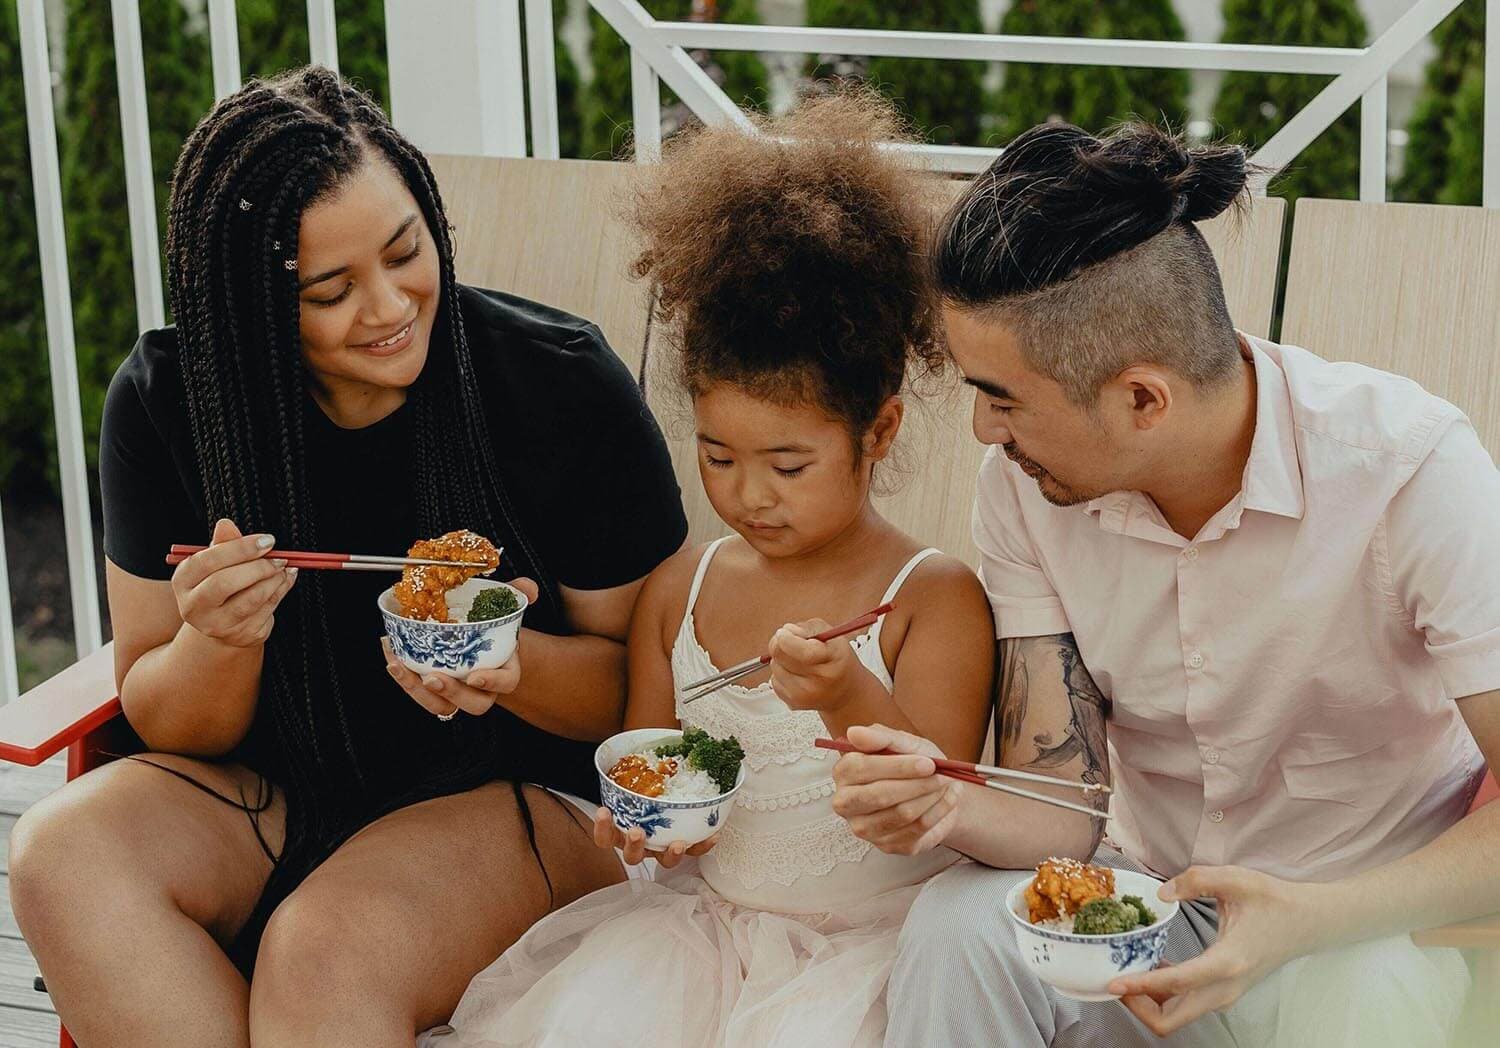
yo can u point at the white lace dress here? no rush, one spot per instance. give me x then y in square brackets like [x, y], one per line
[783, 934]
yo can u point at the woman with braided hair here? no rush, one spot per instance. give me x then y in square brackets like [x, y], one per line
[318, 847]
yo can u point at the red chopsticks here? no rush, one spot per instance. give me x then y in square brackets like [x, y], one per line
[708, 685]
[986, 774]
[332, 561]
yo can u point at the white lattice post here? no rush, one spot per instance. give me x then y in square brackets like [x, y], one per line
[1373, 108]
[224, 44]
[455, 73]
[645, 108]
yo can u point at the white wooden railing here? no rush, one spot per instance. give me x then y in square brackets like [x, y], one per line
[659, 54]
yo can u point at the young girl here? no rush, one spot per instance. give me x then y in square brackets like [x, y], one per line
[791, 265]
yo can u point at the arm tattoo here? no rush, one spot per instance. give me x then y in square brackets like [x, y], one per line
[1084, 737]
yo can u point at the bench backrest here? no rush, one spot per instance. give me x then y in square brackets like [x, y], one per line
[1408, 288]
[548, 230]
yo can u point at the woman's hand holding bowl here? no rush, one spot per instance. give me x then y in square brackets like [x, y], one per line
[632, 844]
[443, 695]
[231, 590]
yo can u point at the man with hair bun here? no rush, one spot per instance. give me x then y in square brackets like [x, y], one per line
[1260, 589]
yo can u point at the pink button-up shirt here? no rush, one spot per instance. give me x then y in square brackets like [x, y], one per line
[1282, 685]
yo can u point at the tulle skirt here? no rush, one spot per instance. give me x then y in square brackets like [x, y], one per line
[672, 964]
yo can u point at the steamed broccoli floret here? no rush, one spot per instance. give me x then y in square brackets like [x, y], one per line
[1147, 917]
[720, 758]
[495, 602]
[690, 738]
[1104, 917]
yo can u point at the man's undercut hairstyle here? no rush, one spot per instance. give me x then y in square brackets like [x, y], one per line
[1085, 247]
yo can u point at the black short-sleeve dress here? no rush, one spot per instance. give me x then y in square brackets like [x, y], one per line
[583, 462]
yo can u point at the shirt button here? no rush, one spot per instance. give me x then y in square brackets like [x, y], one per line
[1191, 553]
[1195, 660]
[1215, 816]
[1211, 756]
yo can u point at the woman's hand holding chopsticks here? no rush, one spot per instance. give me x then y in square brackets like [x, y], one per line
[230, 591]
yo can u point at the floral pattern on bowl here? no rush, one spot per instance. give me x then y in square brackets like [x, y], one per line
[454, 648]
[1081, 966]
[664, 821]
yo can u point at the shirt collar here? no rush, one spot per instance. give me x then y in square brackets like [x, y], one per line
[1273, 475]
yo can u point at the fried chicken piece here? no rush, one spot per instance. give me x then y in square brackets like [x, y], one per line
[636, 774]
[422, 591]
[1063, 885]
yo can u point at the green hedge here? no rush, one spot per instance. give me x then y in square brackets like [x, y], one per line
[1444, 154]
[26, 456]
[606, 106]
[1092, 97]
[943, 99]
[1253, 106]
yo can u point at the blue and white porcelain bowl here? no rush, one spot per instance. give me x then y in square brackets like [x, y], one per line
[455, 648]
[665, 821]
[1081, 966]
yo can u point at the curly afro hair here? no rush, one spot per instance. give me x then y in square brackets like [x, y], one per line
[792, 261]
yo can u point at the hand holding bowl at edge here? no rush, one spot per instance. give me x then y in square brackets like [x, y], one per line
[444, 696]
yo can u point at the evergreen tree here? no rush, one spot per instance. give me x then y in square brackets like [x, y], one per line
[606, 109]
[273, 38]
[26, 446]
[178, 91]
[943, 99]
[1253, 106]
[1464, 183]
[1089, 96]
[1444, 149]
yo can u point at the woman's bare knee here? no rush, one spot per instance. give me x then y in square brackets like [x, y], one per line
[321, 955]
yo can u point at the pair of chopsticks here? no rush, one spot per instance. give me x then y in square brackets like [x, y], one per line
[708, 685]
[986, 774]
[333, 561]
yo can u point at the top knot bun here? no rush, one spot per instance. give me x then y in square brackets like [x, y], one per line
[1059, 199]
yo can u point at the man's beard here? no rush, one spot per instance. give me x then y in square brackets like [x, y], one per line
[1059, 494]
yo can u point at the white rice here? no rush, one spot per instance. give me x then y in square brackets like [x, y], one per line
[688, 784]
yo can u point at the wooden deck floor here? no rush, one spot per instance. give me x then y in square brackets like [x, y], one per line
[26, 1017]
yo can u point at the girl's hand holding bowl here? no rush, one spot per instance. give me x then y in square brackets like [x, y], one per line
[442, 692]
[631, 844]
[231, 590]
[684, 813]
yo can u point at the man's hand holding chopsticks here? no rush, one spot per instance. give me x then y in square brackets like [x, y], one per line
[896, 802]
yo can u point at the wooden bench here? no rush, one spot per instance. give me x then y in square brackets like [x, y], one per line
[1410, 288]
[549, 230]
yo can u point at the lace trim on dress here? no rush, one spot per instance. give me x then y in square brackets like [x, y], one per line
[787, 856]
[788, 799]
[782, 738]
